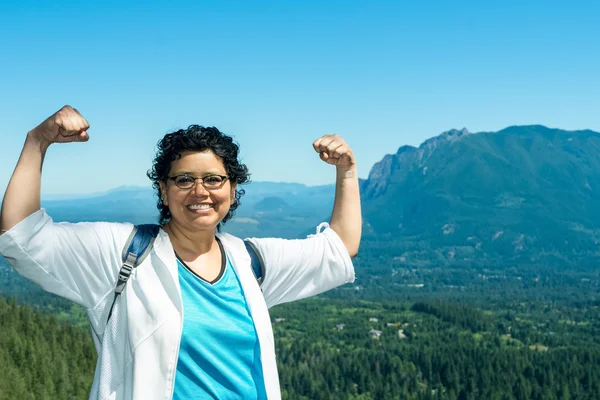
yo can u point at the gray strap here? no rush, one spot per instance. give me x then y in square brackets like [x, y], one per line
[125, 272]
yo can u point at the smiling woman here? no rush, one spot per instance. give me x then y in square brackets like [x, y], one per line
[187, 198]
[193, 320]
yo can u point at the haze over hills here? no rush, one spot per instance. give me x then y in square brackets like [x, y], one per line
[267, 208]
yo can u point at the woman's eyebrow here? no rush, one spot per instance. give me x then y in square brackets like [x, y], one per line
[195, 174]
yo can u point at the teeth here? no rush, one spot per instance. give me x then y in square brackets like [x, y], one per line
[199, 206]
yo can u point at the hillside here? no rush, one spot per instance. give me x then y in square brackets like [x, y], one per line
[523, 195]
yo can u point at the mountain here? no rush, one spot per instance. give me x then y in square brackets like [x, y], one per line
[525, 195]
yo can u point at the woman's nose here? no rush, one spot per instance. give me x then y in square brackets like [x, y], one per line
[199, 189]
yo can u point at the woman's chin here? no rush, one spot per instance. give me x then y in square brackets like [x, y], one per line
[204, 222]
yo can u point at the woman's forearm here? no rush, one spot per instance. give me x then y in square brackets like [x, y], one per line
[22, 197]
[346, 219]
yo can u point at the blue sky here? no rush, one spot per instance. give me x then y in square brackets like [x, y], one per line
[277, 75]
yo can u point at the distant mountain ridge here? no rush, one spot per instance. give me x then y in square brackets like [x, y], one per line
[523, 194]
[267, 208]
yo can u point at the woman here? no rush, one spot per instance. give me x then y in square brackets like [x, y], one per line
[193, 321]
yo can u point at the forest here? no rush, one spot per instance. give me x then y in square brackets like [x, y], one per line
[342, 348]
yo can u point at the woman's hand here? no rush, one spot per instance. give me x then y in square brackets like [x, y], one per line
[66, 125]
[334, 150]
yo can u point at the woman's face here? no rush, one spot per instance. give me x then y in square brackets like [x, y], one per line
[197, 208]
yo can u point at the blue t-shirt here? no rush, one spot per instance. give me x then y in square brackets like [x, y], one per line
[219, 355]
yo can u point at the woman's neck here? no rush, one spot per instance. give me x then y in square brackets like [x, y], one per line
[193, 243]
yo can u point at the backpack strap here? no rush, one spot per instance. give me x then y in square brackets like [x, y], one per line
[140, 243]
[255, 261]
[136, 249]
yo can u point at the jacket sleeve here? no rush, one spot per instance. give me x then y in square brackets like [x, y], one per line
[296, 269]
[78, 261]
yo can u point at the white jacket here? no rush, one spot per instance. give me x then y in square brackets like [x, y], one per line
[138, 348]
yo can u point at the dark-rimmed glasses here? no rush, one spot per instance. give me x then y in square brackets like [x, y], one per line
[211, 181]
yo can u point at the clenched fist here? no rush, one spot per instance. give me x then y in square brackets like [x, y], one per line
[334, 150]
[66, 125]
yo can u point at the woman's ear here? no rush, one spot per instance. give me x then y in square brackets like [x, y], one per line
[232, 196]
[163, 194]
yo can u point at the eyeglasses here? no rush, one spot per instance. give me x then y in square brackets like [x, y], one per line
[208, 181]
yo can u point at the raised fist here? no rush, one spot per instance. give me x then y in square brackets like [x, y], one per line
[334, 150]
[66, 125]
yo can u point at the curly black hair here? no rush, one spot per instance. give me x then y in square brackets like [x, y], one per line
[197, 138]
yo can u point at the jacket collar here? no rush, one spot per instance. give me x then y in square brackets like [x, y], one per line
[234, 247]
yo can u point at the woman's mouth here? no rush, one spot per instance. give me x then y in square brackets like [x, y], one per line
[199, 207]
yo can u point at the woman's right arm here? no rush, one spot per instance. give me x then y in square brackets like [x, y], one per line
[76, 261]
[22, 197]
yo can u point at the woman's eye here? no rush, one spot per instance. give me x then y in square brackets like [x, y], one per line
[213, 180]
[184, 179]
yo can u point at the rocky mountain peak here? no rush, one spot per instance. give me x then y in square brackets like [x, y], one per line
[407, 158]
[448, 136]
[456, 132]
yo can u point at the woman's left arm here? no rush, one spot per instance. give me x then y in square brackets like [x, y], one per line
[300, 268]
[346, 218]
